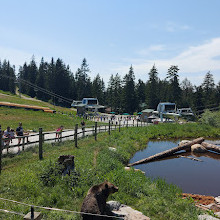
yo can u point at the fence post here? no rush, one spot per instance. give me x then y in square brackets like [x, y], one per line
[137, 123]
[133, 122]
[127, 123]
[0, 152]
[141, 123]
[109, 127]
[40, 143]
[119, 125]
[75, 135]
[23, 140]
[83, 129]
[60, 136]
[96, 131]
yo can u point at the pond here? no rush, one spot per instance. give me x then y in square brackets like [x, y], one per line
[191, 176]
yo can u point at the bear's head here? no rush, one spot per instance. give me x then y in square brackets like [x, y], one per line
[110, 188]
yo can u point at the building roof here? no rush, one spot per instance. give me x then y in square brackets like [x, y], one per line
[148, 110]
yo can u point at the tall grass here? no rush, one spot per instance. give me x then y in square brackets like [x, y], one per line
[25, 178]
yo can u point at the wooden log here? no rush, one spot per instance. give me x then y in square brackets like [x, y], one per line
[168, 152]
[211, 147]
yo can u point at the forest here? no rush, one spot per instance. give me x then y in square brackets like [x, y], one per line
[54, 82]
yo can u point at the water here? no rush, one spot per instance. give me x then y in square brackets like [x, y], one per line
[191, 176]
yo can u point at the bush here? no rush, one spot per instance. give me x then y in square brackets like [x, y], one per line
[211, 118]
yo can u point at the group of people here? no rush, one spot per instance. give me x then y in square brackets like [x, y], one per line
[9, 134]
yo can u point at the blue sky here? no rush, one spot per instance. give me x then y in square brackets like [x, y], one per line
[114, 34]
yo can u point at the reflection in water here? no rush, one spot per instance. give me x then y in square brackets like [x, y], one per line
[192, 176]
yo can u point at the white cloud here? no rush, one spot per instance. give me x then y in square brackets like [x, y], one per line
[172, 27]
[192, 62]
[152, 48]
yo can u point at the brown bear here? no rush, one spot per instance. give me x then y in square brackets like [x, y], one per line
[95, 201]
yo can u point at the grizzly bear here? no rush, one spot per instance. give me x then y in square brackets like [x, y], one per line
[95, 201]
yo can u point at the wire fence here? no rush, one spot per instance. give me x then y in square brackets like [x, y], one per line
[53, 209]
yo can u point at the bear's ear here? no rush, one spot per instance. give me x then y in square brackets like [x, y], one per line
[106, 186]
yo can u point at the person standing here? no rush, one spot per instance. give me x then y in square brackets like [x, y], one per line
[20, 133]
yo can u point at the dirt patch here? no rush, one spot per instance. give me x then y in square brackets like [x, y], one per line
[200, 199]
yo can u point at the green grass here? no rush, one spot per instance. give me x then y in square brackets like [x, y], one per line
[9, 97]
[25, 178]
[33, 120]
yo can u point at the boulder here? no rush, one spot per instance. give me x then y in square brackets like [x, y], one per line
[198, 148]
[126, 212]
[217, 199]
[206, 217]
[183, 142]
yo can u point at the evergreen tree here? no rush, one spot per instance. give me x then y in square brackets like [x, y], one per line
[97, 89]
[41, 79]
[152, 99]
[129, 95]
[62, 83]
[141, 95]
[187, 93]
[116, 93]
[198, 100]
[110, 92]
[4, 77]
[32, 73]
[208, 87]
[217, 95]
[83, 83]
[174, 91]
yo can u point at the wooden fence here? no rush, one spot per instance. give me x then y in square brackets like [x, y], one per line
[76, 134]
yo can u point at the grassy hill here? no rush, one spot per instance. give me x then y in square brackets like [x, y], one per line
[33, 120]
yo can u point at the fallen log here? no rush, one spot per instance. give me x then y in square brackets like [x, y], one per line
[168, 152]
[211, 147]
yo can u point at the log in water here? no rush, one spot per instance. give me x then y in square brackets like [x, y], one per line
[168, 152]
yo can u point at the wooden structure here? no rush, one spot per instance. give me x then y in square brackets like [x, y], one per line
[31, 107]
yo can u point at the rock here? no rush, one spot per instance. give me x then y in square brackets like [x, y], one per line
[112, 148]
[217, 199]
[217, 214]
[126, 212]
[113, 205]
[129, 168]
[183, 142]
[206, 217]
[198, 148]
[215, 208]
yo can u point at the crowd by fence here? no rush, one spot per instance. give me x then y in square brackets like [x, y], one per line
[74, 134]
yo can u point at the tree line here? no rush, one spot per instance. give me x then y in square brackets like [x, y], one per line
[54, 82]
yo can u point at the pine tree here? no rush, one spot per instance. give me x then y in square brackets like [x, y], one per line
[97, 89]
[141, 95]
[41, 79]
[83, 83]
[152, 99]
[32, 73]
[129, 95]
[208, 87]
[187, 93]
[174, 91]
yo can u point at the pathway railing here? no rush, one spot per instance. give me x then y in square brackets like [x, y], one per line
[71, 134]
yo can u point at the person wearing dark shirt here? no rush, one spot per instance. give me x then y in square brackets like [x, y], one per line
[20, 133]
